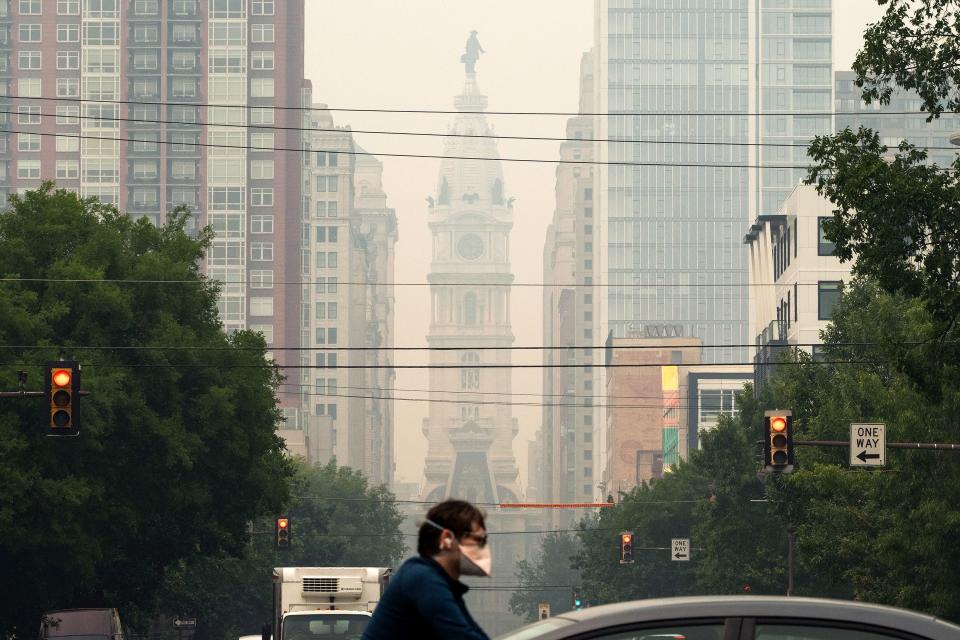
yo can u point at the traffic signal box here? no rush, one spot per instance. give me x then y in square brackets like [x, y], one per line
[778, 441]
[62, 392]
[626, 547]
[282, 532]
[577, 600]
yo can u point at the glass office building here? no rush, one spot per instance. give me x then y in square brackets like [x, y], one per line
[693, 76]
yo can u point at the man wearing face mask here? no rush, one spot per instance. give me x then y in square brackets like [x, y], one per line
[424, 598]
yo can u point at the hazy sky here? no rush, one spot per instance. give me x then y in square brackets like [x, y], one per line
[405, 55]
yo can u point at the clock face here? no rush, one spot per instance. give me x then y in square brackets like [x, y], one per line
[470, 247]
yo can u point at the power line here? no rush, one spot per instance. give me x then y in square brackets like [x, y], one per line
[618, 163]
[674, 113]
[543, 285]
[274, 127]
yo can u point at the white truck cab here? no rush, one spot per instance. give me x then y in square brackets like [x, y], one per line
[324, 603]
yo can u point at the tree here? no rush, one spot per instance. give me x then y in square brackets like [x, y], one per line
[337, 520]
[177, 450]
[550, 578]
[915, 46]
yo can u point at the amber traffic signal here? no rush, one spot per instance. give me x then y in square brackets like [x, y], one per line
[778, 441]
[62, 392]
[626, 547]
[282, 532]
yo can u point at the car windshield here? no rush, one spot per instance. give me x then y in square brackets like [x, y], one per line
[535, 630]
[332, 626]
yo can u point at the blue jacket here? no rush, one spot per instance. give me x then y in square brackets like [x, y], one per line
[422, 602]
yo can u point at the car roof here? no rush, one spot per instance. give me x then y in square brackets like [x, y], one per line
[755, 606]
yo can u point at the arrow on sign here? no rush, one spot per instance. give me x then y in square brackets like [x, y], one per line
[679, 555]
[864, 456]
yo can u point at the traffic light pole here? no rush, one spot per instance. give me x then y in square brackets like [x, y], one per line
[939, 446]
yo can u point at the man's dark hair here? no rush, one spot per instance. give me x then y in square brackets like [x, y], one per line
[458, 516]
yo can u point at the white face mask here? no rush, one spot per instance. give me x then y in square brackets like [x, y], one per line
[474, 559]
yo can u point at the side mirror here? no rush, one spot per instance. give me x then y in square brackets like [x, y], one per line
[265, 631]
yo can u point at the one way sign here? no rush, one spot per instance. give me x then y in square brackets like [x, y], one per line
[868, 445]
[680, 549]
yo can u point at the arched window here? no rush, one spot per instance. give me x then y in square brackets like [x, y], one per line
[470, 373]
[470, 308]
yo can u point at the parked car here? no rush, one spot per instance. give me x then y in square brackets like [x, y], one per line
[739, 618]
[81, 624]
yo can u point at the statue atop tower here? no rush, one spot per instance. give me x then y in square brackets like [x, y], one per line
[471, 53]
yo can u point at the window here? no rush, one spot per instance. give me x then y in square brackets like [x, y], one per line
[145, 169]
[68, 33]
[30, 7]
[470, 308]
[261, 33]
[261, 115]
[265, 329]
[262, 60]
[183, 88]
[326, 209]
[261, 88]
[146, 34]
[228, 9]
[261, 279]
[182, 141]
[145, 198]
[101, 33]
[261, 251]
[470, 373]
[261, 141]
[27, 169]
[29, 32]
[28, 87]
[184, 33]
[68, 169]
[181, 195]
[102, 61]
[145, 61]
[261, 224]
[824, 246]
[225, 198]
[183, 169]
[327, 183]
[68, 87]
[67, 144]
[822, 631]
[146, 88]
[146, 7]
[261, 306]
[28, 60]
[326, 158]
[261, 169]
[68, 7]
[68, 114]
[262, 7]
[28, 142]
[184, 7]
[261, 197]
[227, 34]
[828, 294]
[68, 60]
[28, 114]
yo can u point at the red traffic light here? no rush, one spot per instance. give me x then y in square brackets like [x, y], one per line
[626, 538]
[282, 523]
[778, 423]
[61, 377]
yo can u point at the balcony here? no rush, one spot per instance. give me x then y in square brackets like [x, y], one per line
[771, 344]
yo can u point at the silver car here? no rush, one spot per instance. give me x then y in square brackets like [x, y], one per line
[739, 618]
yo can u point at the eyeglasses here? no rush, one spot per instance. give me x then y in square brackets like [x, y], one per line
[480, 538]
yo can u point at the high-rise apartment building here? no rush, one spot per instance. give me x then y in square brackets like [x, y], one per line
[349, 235]
[566, 433]
[693, 75]
[154, 104]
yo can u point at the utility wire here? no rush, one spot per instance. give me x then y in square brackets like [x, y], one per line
[618, 163]
[431, 134]
[566, 285]
[674, 113]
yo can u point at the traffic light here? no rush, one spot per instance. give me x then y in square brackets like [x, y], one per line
[62, 391]
[577, 601]
[778, 441]
[626, 547]
[282, 532]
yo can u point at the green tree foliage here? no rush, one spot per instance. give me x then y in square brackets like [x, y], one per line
[550, 578]
[899, 220]
[337, 520]
[177, 450]
[916, 46]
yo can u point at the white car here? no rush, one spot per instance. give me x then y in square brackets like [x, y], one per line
[739, 618]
